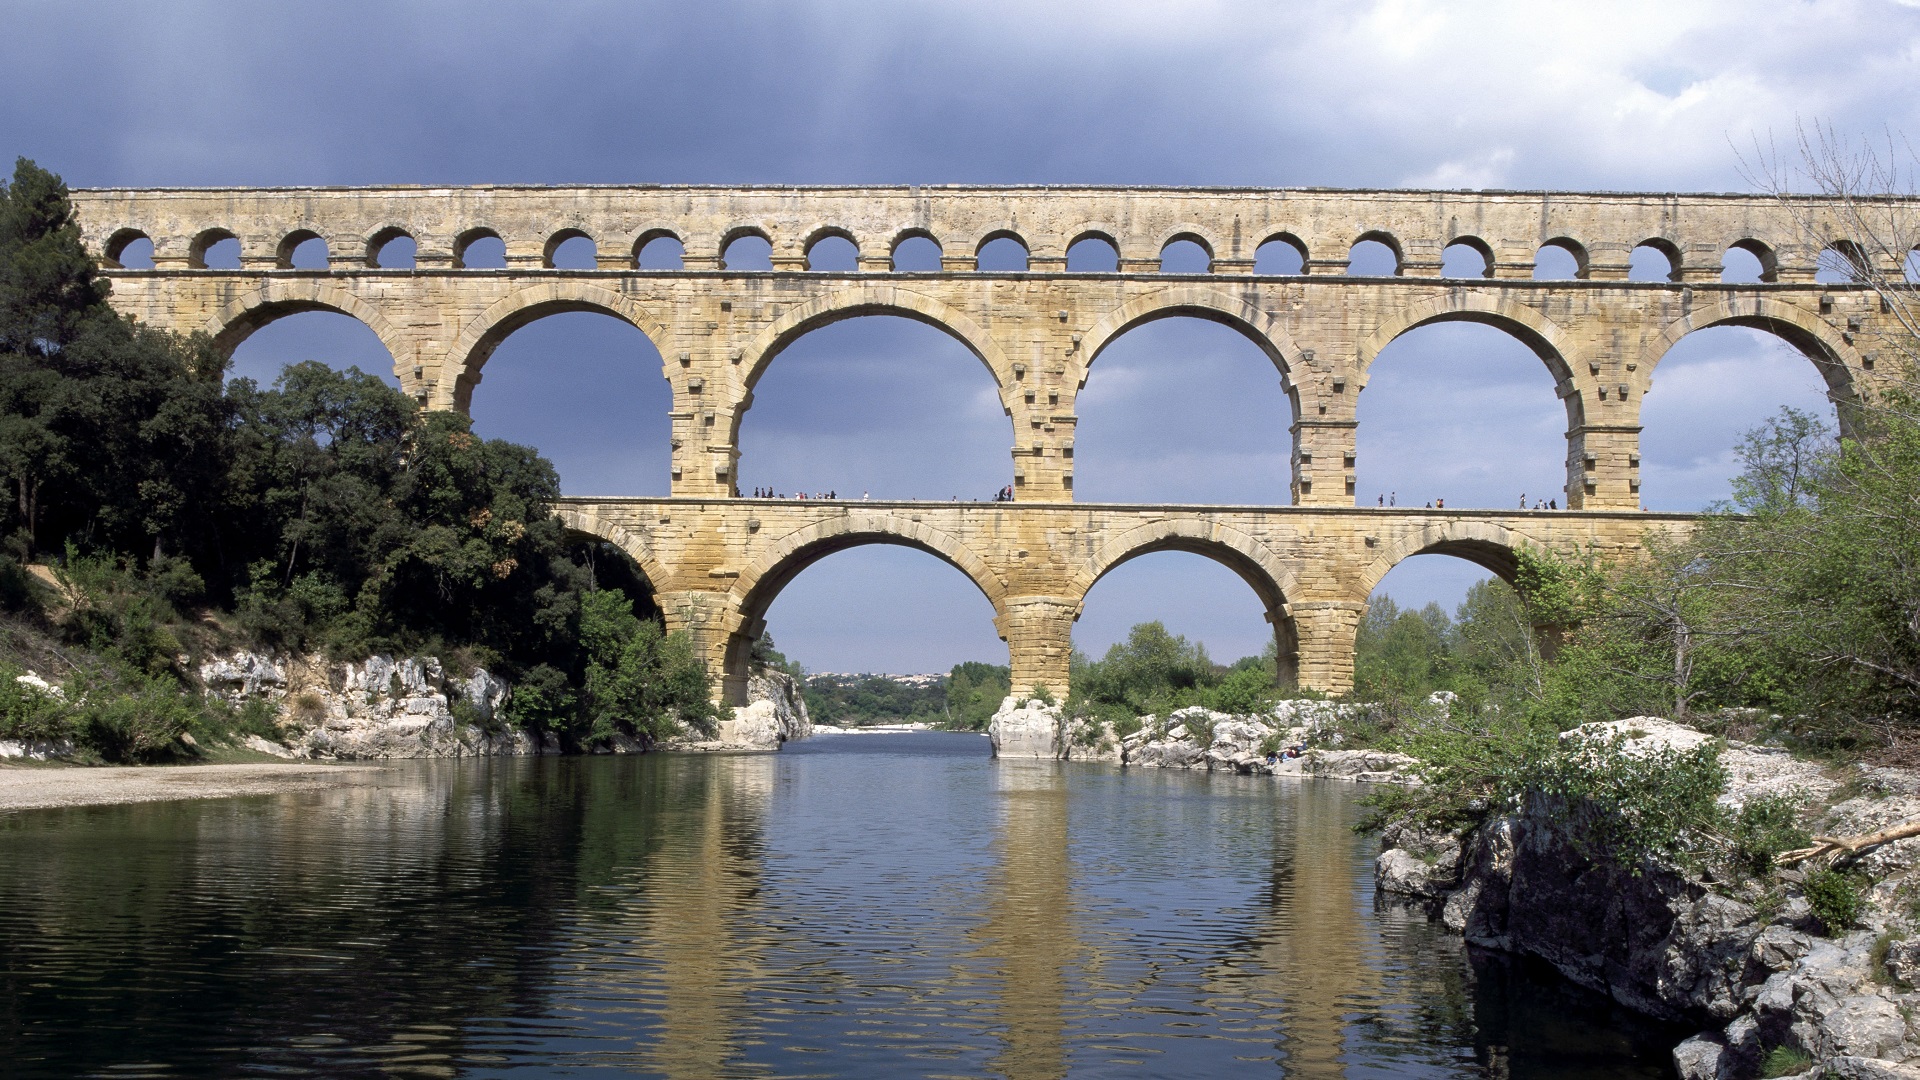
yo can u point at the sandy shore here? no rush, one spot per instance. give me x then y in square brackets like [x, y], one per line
[33, 788]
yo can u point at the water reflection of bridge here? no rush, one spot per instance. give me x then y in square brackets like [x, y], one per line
[1304, 954]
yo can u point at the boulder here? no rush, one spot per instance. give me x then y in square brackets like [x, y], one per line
[1028, 728]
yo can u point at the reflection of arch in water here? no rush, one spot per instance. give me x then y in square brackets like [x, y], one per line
[698, 955]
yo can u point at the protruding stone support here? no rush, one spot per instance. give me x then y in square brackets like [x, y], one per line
[1326, 629]
[1323, 462]
[1038, 631]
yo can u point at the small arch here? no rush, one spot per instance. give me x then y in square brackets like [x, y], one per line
[1910, 267]
[1466, 257]
[1375, 254]
[659, 249]
[1001, 252]
[486, 256]
[392, 248]
[1560, 259]
[1654, 259]
[1842, 263]
[202, 253]
[833, 250]
[570, 249]
[915, 251]
[1280, 254]
[120, 250]
[1747, 261]
[298, 250]
[1093, 253]
[1186, 253]
[746, 247]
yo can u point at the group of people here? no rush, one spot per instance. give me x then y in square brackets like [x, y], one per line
[1393, 499]
[769, 493]
[1274, 757]
[1005, 494]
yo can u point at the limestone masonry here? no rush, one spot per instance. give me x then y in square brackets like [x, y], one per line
[718, 561]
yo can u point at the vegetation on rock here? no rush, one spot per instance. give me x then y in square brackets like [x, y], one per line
[182, 512]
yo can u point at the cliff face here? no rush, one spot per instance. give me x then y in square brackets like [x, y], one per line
[378, 708]
[412, 707]
[1754, 971]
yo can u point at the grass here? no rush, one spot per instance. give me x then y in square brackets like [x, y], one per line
[1785, 1061]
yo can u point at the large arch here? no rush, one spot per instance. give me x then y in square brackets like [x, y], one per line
[1534, 330]
[1490, 546]
[587, 520]
[1271, 579]
[1199, 301]
[855, 302]
[1831, 354]
[773, 570]
[238, 318]
[484, 332]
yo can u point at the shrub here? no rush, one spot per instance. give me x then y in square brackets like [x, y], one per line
[1837, 898]
[1765, 827]
[28, 713]
[1243, 692]
[1199, 729]
[139, 723]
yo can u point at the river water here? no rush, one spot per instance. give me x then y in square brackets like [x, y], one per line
[856, 906]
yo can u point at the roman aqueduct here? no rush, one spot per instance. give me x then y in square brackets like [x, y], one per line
[716, 561]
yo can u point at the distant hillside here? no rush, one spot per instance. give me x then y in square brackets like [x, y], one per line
[964, 698]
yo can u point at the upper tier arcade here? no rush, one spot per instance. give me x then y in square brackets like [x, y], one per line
[1037, 330]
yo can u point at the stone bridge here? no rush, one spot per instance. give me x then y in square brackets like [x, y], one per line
[1037, 332]
[717, 564]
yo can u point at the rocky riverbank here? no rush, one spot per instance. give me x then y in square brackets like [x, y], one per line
[413, 707]
[1747, 959]
[1202, 739]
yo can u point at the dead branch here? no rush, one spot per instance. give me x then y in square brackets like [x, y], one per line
[1839, 847]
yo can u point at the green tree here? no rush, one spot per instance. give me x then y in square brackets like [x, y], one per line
[974, 692]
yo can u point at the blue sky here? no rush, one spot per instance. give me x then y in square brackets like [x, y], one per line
[1639, 96]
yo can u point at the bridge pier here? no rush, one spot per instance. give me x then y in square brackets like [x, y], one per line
[1326, 632]
[1038, 631]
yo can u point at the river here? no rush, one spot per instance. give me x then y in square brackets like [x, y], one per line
[855, 906]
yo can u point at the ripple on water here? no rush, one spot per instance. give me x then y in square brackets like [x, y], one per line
[853, 907]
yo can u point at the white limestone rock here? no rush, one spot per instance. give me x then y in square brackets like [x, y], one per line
[382, 707]
[1028, 728]
[775, 712]
[37, 749]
